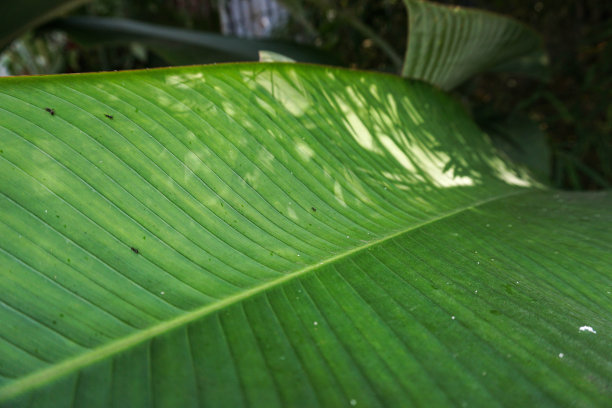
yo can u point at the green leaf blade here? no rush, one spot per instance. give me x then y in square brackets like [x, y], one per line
[304, 236]
[447, 45]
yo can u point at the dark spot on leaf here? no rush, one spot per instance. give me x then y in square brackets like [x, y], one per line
[51, 111]
[61, 315]
[135, 250]
[495, 312]
[313, 209]
[108, 116]
[54, 322]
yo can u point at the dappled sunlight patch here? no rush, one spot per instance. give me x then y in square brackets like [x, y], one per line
[228, 108]
[509, 176]
[422, 162]
[183, 80]
[339, 194]
[233, 157]
[265, 106]
[358, 130]
[304, 151]
[290, 94]
[412, 112]
[357, 186]
[264, 158]
[374, 92]
[399, 180]
[108, 89]
[191, 165]
[391, 110]
[291, 213]
[400, 156]
[170, 104]
[434, 164]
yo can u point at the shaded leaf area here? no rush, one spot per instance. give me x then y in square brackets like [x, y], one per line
[447, 45]
[180, 46]
[20, 16]
[519, 138]
[284, 235]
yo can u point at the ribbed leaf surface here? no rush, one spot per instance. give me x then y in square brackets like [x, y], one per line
[447, 45]
[285, 235]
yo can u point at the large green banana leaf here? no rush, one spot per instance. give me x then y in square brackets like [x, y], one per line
[286, 235]
[449, 44]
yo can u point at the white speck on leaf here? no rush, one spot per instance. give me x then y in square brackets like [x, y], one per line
[561, 355]
[315, 323]
[353, 402]
[588, 329]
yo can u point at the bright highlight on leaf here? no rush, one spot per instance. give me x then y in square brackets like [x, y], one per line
[285, 235]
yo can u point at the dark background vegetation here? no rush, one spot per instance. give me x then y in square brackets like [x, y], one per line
[573, 109]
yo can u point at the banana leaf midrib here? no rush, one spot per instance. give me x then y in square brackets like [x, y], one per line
[56, 371]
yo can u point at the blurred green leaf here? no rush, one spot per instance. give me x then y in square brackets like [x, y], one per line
[182, 46]
[522, 141]
[533, 65]
[447, 45]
